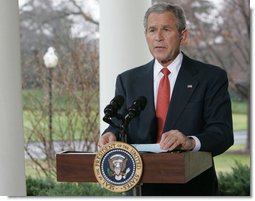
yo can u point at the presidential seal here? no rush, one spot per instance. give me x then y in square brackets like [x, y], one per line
[118, 167]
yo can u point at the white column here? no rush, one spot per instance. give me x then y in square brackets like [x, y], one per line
[12, 167]
[122, 43]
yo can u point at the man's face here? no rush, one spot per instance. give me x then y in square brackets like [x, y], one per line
[163, 38]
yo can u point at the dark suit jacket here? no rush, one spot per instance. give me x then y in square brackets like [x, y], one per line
[203, 111]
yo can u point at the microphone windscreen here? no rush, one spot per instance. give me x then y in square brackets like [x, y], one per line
[115, 104]
[118, 101]
[142, 102]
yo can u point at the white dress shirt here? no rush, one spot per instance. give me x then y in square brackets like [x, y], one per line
[174, 69]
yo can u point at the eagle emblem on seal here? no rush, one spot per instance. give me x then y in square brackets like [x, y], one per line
[117, 164]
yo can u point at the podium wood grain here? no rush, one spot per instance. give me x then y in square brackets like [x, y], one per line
[157, 167]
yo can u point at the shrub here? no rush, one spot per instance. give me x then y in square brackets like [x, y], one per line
[236, 183]
[35, 186]
[48, 187]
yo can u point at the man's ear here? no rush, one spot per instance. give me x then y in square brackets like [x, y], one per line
[184, 36]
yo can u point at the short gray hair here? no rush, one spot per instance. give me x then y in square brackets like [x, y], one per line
[166, 7]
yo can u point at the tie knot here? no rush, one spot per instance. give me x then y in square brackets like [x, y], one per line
[165, 71]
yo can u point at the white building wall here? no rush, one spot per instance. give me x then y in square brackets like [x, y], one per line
[12, 167]
[122, 43]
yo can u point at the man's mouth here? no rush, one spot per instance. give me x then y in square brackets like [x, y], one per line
[159, 47]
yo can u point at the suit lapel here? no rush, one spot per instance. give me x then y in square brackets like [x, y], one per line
[147, 118]
[147, 83]
[185, 85]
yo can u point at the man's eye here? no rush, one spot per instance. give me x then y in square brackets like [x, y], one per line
[151, 30]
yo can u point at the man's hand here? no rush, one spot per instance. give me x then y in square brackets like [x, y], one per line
[106, 138]
[175, 139]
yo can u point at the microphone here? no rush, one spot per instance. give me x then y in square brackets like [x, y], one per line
[112, 109]
[135, 109]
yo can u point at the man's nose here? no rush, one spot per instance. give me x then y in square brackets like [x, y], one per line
[159, 36]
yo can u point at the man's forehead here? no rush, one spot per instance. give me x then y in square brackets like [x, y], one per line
[160, 26]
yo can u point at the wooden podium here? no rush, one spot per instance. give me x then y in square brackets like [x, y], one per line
[157, 167]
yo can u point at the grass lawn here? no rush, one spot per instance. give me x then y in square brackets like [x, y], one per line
[240, 121]
[226, 161]
[240, 107]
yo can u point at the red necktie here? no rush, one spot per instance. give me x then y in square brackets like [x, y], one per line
[163, 100]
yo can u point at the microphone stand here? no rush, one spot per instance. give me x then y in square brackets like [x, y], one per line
[136, 191]
[123, 134]
[122, 127]
[123, 130]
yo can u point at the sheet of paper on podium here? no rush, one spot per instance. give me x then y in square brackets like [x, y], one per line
[153, 148]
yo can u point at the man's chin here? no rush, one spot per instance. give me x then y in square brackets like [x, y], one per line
[162, 60]
[165, 63]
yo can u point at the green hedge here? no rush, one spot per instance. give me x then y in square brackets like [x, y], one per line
[48, 187]
[236, 183]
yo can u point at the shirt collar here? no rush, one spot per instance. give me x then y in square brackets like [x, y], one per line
[174, 67]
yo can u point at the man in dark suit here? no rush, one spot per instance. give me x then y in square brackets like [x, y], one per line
[198, 117]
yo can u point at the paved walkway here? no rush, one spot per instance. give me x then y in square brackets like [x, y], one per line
[240, 137]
